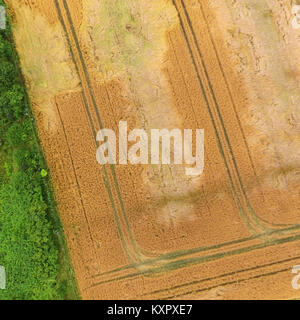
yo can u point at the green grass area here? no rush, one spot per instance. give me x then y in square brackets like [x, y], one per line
[32, 244]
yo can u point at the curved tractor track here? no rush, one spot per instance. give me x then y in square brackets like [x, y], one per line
[141, 232]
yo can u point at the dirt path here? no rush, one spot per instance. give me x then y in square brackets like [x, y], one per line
[150, 231]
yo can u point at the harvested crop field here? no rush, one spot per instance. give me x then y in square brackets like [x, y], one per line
[151, 231]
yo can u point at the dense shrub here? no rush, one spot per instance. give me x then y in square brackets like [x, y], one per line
[29, 245]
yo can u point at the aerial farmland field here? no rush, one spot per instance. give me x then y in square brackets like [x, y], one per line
[216, 219]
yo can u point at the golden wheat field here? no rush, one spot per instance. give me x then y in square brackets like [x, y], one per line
[144, 231]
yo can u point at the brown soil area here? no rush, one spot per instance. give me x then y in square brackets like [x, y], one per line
[139, 232]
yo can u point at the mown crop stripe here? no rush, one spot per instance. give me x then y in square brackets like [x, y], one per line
[183, 253]
[91, 92]
[236, 171]
[86, 105]
[234, 108]
[228, 88]
[218, 111]
[77, 183]
[222, 276]
[237, 201]
[226, 284]
[195, 261]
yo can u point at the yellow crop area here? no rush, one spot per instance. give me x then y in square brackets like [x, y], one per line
[150, 231]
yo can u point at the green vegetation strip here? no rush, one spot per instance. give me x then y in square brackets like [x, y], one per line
[32, 244]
